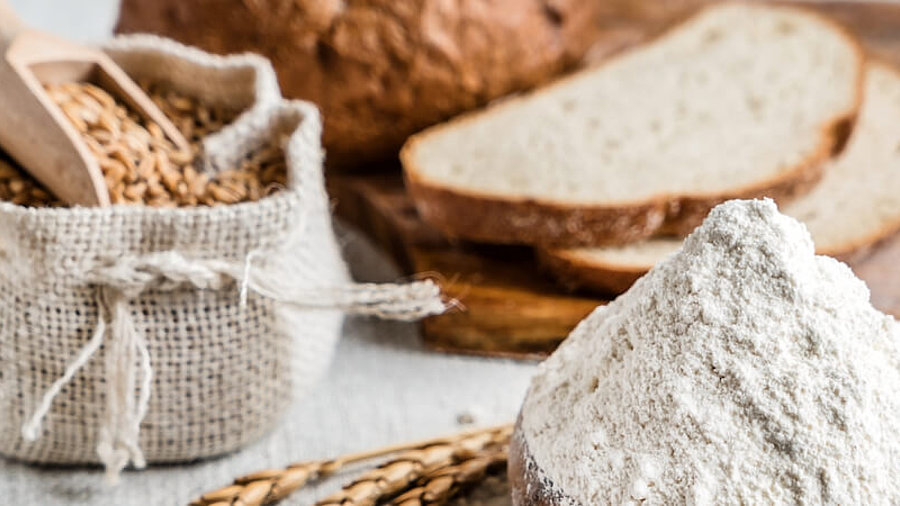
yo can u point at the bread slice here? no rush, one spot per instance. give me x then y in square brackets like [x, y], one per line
[739, 101]
[856, 204]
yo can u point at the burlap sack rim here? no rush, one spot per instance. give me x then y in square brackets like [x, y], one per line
[156, 43]
[267, 90]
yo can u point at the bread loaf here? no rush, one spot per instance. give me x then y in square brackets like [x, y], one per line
[383, 69]
[740, 101]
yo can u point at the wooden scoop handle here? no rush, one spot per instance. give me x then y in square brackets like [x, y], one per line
[10, 23]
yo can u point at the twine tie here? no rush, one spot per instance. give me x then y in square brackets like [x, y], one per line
[127, 362]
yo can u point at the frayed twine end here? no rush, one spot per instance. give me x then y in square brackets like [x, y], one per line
[30, 431]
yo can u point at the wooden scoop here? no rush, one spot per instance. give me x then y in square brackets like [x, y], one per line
[35, 132]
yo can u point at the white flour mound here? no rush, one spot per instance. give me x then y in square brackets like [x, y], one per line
[743, 369]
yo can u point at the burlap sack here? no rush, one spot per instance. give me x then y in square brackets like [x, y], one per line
[132, 334]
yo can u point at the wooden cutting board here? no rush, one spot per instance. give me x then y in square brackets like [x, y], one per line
[509, 307]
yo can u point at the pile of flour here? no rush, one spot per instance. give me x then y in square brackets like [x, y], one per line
[743, 369]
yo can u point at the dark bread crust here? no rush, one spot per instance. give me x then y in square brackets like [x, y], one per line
[381, 70]
[488, 218]
[573, 272]
[526, 221]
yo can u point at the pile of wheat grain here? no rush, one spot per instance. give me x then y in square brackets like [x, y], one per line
[140, 166]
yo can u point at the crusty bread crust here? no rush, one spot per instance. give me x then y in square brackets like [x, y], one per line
[489, 218]
[574, 270]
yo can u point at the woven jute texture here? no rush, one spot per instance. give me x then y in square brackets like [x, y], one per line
[132, 334]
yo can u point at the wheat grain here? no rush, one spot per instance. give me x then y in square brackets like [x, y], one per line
[141, 166]
[18, 188]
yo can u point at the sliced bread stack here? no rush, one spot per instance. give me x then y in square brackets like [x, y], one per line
[856, 204]
[739, 101]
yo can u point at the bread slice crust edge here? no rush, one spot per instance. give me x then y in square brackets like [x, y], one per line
[573, 273]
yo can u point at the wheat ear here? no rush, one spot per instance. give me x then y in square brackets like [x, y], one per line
[413, 463]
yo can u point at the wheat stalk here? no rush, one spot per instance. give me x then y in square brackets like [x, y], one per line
[420, 465]
[414, 465]
[443, 484]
